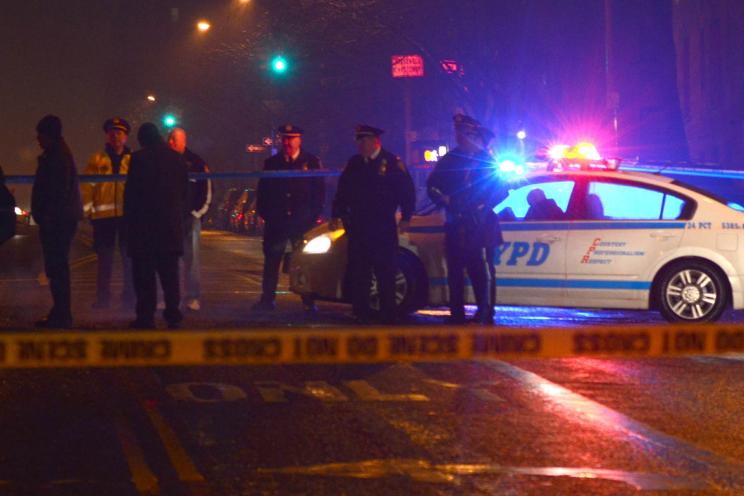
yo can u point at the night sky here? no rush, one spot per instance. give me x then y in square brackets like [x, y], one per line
[536, 64]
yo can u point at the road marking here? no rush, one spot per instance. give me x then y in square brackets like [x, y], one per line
[143, 478]
[676, 452]
[180, 459]
[424, 471]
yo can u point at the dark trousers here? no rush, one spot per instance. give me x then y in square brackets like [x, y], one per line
[368, 255]
[56, 240]
[107, 235]
[275, 241]
[144, 269]
[463, 255]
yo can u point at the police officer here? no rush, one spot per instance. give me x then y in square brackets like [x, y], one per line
[103, 204]
[464, 183]
[374, 184]
[289, 206]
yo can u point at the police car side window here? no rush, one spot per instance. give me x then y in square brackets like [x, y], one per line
[616, 201]
[527, 203]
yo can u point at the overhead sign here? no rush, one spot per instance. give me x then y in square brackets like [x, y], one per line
[255, 148]
[407, 66]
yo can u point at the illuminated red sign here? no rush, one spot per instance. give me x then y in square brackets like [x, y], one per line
[406, 66]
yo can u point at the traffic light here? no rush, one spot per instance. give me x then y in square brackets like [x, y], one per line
[169, 120]
[279, 64]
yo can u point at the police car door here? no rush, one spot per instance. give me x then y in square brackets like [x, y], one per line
[624, 227]
[531, 264]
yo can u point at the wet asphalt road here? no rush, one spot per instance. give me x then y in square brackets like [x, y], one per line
[568, 426]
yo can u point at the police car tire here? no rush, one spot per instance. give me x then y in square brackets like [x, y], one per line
[673, 306]
[417, 281]
[416, 284]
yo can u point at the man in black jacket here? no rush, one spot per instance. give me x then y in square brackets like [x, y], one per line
[374, 184]
[289, 206]
[154, 203]
[7, 211]
[199, 198]
[464, 184]
[56, 208]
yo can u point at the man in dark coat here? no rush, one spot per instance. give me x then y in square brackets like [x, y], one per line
[464, 183]
[7, 211]
[56, 208]
[154, 203]
[374, 184]
[289, 207]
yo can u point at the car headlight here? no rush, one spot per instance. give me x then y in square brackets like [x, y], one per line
[319, 244]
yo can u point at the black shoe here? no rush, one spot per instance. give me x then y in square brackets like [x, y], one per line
[53, 323]
[101, 305]
[141, 324]
[263, 306]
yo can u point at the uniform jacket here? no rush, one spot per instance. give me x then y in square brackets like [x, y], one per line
[200, 190]
[474, 188]
[104, 200]
[370, 193]
[293, 200]
[55, 195]
[155, 201]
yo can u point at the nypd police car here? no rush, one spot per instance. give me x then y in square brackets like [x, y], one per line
[579, 233]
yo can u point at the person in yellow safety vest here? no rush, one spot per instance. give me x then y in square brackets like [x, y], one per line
[103, 204]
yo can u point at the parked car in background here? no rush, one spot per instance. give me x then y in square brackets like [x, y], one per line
[221, 216]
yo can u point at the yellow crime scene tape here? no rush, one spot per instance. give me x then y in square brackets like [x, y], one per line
[359, 345]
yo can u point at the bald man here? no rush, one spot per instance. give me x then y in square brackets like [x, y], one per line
[199, 198]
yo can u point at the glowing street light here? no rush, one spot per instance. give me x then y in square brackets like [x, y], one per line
[203, 26]
[521, 134]
[279, 64]
[169, 120]
[151, 98]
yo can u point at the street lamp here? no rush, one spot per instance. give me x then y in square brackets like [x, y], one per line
[521, 136]
[151, 98]
[203, 26]
[279, 64]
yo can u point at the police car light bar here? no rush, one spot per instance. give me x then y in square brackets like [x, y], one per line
[583, 156]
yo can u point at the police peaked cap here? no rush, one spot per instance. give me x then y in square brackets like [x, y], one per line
[116, 123]
[290, 130]
[363, 130]
[465, 122]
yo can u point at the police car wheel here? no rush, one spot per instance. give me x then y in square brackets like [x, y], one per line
[692, 291]
[410, 284]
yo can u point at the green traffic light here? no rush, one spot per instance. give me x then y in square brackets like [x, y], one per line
[279, 64]
[169, 120]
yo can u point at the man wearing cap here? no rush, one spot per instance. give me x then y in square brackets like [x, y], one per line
[200, 196]
[56, 208]
[371, 189]
[464, 184]
[289, 206]
[103, 204]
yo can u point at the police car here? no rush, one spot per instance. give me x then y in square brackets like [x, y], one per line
[579, 233]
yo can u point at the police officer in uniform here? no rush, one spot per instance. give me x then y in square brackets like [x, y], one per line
[464, 183]
[289, 206]
[103, 204]
[374, 184]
